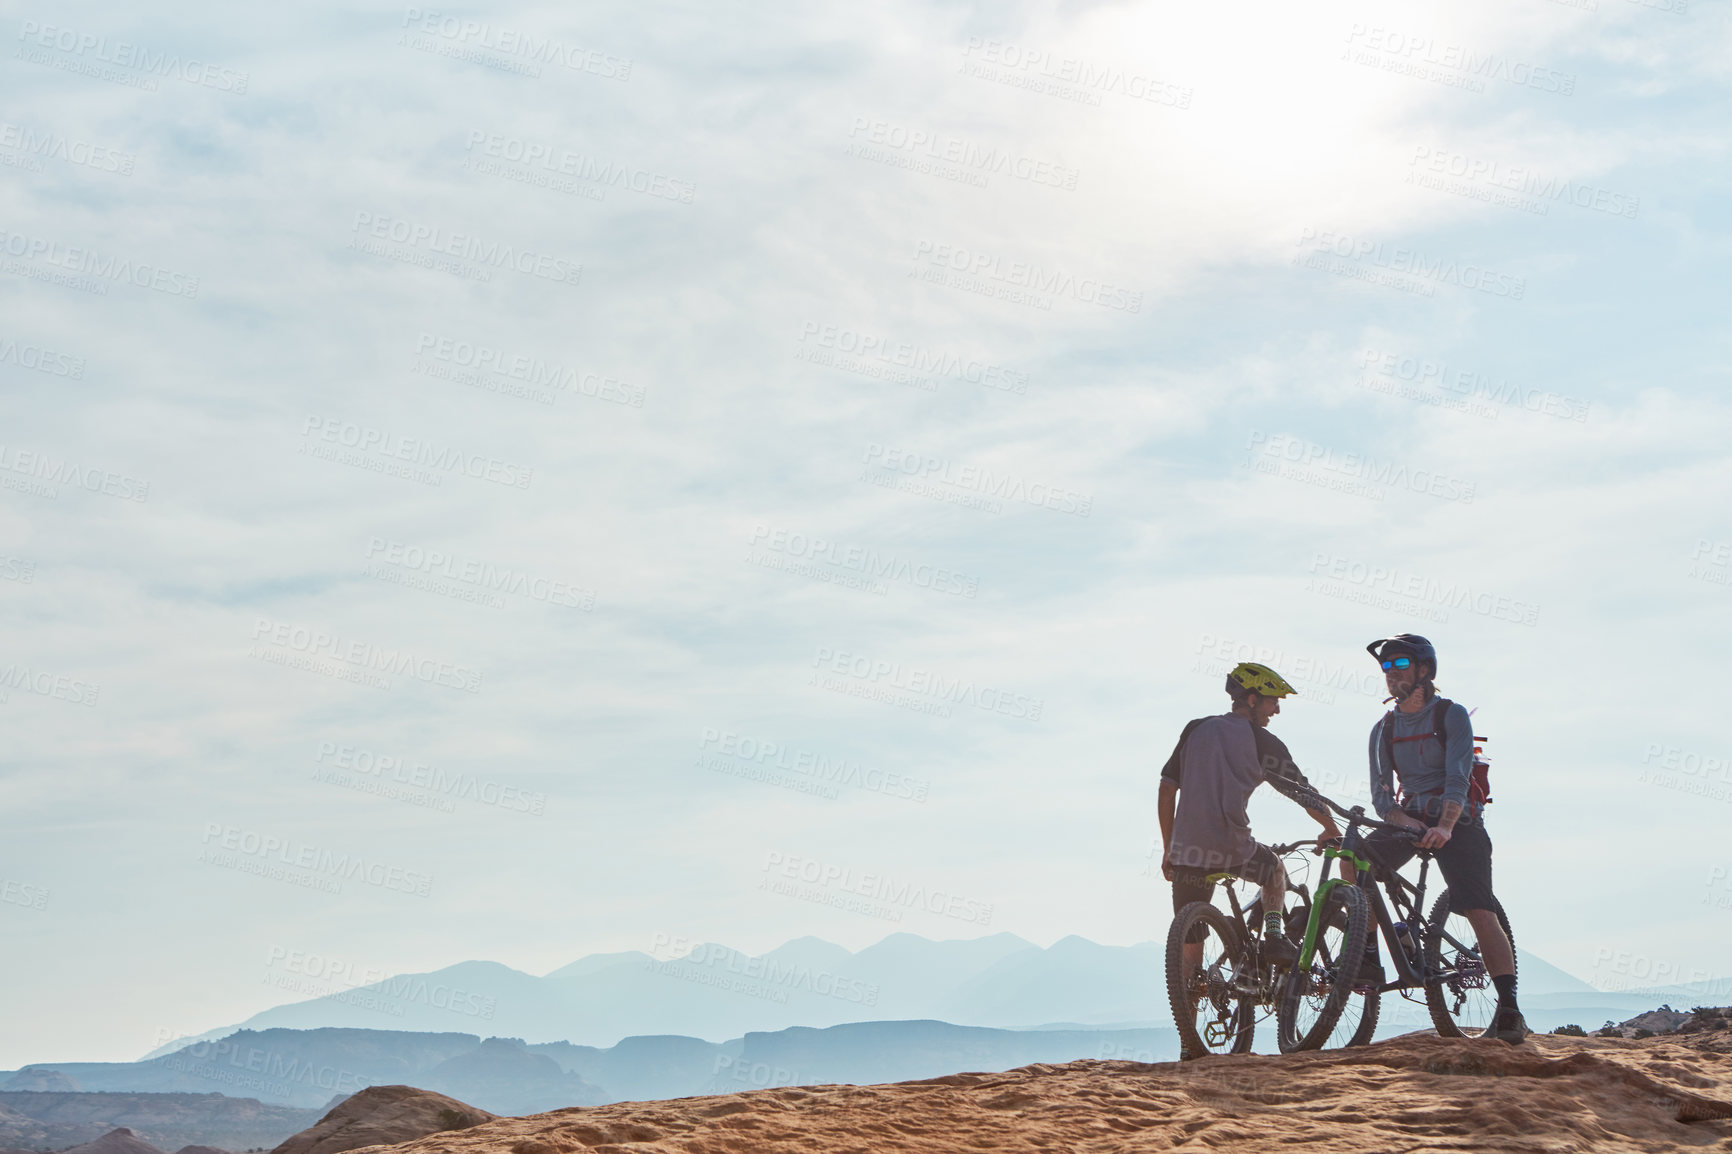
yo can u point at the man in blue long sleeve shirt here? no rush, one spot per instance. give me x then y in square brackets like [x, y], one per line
[1433, 779]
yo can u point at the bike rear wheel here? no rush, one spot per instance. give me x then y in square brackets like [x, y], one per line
[1463, 1005]
[1211, 1017]
[1314, 1001]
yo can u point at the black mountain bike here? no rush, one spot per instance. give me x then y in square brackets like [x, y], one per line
[1218, 1000]
[1438, 955]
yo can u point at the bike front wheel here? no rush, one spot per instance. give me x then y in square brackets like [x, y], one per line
[1314, 1000]
[1204, 987]
[1462, 1004]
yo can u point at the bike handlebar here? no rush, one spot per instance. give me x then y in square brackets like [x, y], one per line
[1354, 816]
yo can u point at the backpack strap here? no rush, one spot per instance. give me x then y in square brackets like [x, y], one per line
[1439, 730]
[1392, 779]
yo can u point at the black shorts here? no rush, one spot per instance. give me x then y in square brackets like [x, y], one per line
[1465, 862]
[1189, 886]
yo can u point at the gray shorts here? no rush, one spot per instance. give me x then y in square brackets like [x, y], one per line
[1189, 886]
[1465, 862]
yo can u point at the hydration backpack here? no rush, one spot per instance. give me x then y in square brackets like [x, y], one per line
[1478, 777]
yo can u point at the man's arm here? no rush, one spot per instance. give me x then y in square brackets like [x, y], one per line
[1457, 758]
[1457, 765]
[1169, 805]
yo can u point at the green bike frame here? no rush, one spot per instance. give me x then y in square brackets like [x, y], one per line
[1310, 945]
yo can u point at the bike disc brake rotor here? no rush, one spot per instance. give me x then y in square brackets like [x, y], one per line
[1469, 973]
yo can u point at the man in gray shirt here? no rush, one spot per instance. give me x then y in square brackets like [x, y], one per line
[1218, 763]
[1438, 797]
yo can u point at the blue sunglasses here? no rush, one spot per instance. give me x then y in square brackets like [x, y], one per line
[1397, 663]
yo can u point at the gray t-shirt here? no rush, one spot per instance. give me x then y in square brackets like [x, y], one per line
[1219, 762]
[1424, 767]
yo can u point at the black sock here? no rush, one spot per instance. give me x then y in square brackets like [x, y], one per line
[1505, 984]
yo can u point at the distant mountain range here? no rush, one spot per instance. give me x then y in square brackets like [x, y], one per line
[715, 992]
[55, 1120]
[306, 1068]
[704, 1019]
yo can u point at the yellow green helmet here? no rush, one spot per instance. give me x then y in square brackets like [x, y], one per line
[1260, 679]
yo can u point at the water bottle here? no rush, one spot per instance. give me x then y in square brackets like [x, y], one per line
[1402, 936]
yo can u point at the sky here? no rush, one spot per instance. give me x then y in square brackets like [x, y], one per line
[516, 481]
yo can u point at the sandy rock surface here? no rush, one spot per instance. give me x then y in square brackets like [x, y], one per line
[1413, 1095]
[383, 1115]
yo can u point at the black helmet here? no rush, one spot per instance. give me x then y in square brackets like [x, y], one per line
[1412, 644]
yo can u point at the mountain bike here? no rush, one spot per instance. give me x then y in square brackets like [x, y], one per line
[1216, 1005]
[1438, 954]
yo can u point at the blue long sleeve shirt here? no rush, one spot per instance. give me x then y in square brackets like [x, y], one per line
[1425, 769]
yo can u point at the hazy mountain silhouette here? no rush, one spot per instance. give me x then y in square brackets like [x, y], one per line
[713, 991]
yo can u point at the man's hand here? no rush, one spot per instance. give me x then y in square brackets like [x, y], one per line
[1435, 838]
[1167, 870]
